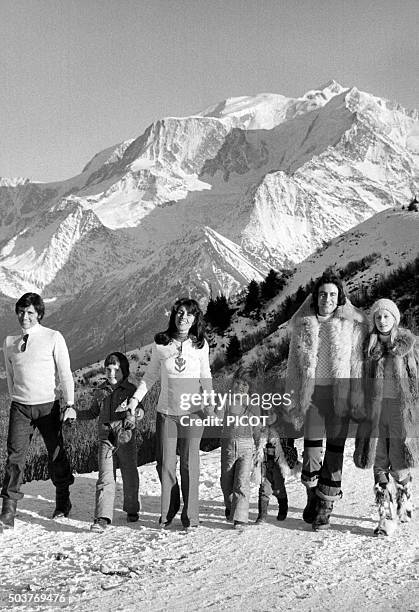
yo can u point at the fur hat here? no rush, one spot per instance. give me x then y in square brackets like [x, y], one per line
[385, 304]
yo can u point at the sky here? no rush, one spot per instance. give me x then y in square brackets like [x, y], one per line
[78, 76]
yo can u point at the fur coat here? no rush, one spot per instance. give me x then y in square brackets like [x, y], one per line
[405, 363]
[349, 328]
[286, 456]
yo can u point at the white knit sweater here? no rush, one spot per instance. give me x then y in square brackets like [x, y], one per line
[182, 369]
[32, 374]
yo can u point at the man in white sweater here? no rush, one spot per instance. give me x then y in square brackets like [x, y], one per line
[34, 360]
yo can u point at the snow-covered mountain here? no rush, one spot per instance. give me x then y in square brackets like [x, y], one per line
[199, 204]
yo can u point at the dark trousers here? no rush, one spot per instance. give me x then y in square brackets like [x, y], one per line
[273, 482]
[23, 420]
[171, 434]
[321, 420]
[389, 455]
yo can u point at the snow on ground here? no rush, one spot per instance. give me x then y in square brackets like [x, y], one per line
[277, 566]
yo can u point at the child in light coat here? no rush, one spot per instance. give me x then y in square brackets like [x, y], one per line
[237, 450]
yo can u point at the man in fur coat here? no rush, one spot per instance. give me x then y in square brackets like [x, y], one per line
[324, 377]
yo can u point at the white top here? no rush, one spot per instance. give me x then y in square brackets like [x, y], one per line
[183, 370]
[32, 374]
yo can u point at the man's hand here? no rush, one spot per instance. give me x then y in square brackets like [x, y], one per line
[68, 415]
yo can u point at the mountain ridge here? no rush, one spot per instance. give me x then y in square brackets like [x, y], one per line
[197, 205]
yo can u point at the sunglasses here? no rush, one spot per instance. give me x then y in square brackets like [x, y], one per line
[24, 343]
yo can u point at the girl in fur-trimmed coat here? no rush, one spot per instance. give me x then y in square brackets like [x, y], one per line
[388, 439]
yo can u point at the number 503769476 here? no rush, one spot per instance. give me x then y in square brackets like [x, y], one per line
[45, 598]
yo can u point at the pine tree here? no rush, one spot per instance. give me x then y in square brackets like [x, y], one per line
[219, 313]
[234, 351]
[414, 205]
[252, 301]
[272, 285]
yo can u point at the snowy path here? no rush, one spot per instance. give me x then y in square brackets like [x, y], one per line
[277, 566]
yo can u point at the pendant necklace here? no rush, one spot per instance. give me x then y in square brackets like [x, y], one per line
[180, 362]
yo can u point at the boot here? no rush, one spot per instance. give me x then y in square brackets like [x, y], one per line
[263, 504]
[227, 514]
[62, 503]
[282, 508]
[387, 522]
[404, 501]
[7, 516]
[322, 518]
[310, 511]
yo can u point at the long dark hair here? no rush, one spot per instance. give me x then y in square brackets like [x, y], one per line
[332, 278]
[197, 331]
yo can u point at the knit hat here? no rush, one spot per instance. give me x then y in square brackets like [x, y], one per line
[385, 304]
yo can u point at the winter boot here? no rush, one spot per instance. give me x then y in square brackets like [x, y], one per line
[282, 508]
[100, 524]
[62, 503]
[239, 525]
[133, 518]
[7, 516]
[322, 518]
[263, 504]
[227, 514]
[404, 501]
[310, 511]
[387, 522]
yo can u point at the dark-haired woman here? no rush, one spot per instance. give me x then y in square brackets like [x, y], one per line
[324, 374]
[180, 359]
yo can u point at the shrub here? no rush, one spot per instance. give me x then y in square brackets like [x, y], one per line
[219, 313]
[234, 350]
[414, 205]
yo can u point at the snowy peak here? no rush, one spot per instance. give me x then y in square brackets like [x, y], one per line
[263, 111]
[38, 253]
[266, 110]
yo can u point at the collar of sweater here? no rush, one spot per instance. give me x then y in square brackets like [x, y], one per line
[324, 318]
[180, 340]
[384, 338]
[347, 312]
[32, 330]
